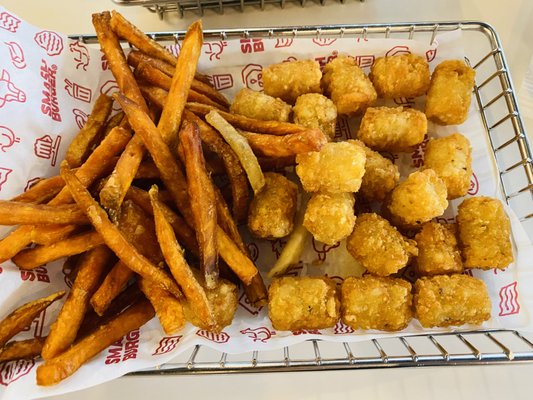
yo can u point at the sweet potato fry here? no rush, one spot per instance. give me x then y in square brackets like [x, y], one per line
[63, 331]
[274, 164]
[111, 287]
[47, 235]
[147, 170]
[64, 365]
[40, 255]
[41, 191]
[17, 213]
[22, 349]
[15, 241]
[239, 263]
[116, 120]
[22, 316]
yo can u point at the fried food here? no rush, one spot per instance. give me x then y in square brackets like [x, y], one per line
[236, 259]
[272, 211]
[450, 93]
[419, 198]
[451, 158]
[484, 231]
[15, 213]
[336, 168]
[303, 303]
[395, 129]
[288, 80]
[330, 216]
[444, 300]
[378, 246]
[402, 75]
[22, 349]
[348, 86]
[438, 251]
[42, 191]
[261, 106]
[373, 302]
[314, 110]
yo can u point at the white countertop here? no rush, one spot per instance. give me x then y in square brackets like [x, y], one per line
[510, 18]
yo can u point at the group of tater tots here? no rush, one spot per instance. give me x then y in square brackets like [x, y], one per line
[404, 232]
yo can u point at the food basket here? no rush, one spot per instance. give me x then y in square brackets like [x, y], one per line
[511, 154]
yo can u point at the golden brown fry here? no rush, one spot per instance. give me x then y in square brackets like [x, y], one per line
[116, 120]
[80, 146]
[23, 315]
[258, 105]
[16, 213]
[155, 95]
[239, 263]
[111, 287]
[147, 170]
[15, 241]
[22, 349]
[65, 328]
[64, 365]
[41, 191]
[47, 235]
[40, 255]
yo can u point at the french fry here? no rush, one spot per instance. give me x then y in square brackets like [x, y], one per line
[65, 328]
[17, 213]
[275, 164]
[56, 369]
[47, 235]
[112, 236]
[241, 147]
[32, 258]
[15, 241]
[239, 263]
[80, 146]
[116, 120]
[155, 95]
[147, 170]
[111, 287]
[23, 316]
[42, 191]
[22, 349]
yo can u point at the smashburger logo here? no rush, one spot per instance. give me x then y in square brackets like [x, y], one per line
[13, 370]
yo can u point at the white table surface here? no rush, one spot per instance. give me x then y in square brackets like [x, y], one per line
[510, 18]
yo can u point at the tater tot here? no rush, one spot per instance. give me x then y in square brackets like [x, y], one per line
[288, 80]
[272, 210]
[378, 246]
[444, 300]
[418, 199]
[348, 86]
[450, 93]
[438, 252]
[392, 129]
[314, 110]
[338, 167]
[484, 231]
[330, 217]
[374, 302]
[381, 175]
[403, 75]
[261, 106]
[303, 303]
[451, 158]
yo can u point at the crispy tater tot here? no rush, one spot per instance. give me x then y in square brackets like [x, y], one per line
[271, 213]
[418, 199]
[403, 75]
[314, 110]
[258, 105]
[438, 252]
[338, 167]
[484, 231]
[348, 86]
[450, 93]
[373, 302]
[303, 303]
[288, 80]
[395, 129]
[444, 300]
[378, 246]
[451, 158]
[330, 217]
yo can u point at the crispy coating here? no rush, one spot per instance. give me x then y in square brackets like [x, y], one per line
[348, 86]
[330, 217]
[395, 129]
[288, 80]
[338, 167]
[373, 302]
[381, 175]
[403, 75]
[378, 246]
[438, 251]
[446, 300]
[314, 110]
[451, 158]
[271, 213]
[419, 198]
[261, 106]
[484, 231]
[303, 303]
[450, 93]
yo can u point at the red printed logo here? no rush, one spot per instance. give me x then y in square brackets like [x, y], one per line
[277, 246]
[37, 325]
[80, 117]
[253, 250]
[261, 334]
[104, 63]
[7, 138]
[41, 274]
[324, 41]
[173, 49]
[252, 76]
[509, 300]
[16, 54]
[49, 103]
[431, 54]
[322, 61]
[283, 42]
[474, 185]
[306, 332]
[4, 173]
[109, 87]
[405, 101]
[77, 91]
[342, 329]
[214, 49]
[167, 344]
[124, 349]
[365, 61]
[221, 337]
[12, 370]
[81, 54]
[245, 303]
[8, 90]
[322, 249]
[342, 128]
[31, 182]
[396, 50]
[9, 22]
[50, 41]
[252, 45]
[222, 81]
[47, 148]
[417, 157]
